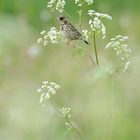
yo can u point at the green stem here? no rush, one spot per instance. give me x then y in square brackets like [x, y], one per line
[70, 122]
[80, 13]
[54, 106]
[76, 130]
[95, 49]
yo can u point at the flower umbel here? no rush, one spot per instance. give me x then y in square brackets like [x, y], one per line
[80, 2]
[86, 34]
[56, 4]
[96, 23]
[46, 90]
[121, 49]
[52, 35]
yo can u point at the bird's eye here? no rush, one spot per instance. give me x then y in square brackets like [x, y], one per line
[61, 18]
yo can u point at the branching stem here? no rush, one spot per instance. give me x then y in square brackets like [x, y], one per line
[68, 120]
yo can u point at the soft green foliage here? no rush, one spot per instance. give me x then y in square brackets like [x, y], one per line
[104, 106]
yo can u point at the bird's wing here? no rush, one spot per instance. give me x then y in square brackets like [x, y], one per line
[74, 30]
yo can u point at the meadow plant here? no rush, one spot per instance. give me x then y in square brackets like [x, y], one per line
[46, 91]
[122, 51]
[95, 26]
[52, 36]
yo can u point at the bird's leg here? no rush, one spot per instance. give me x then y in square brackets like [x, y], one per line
[70, 44]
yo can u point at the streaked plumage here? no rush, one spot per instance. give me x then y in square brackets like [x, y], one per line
[70, 32]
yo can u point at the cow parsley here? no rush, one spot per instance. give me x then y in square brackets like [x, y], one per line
[86, 34]
[80, 2]
[52, 35]
[46, 90]
[121, 49]
[56, 4]
[96, 23]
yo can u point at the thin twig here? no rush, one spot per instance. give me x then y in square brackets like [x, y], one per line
[76, 130]
[95, 49]
[70, 122]
[54, 106]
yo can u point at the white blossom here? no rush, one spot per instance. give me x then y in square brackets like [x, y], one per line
[121, 49]
[86, 34]
[96, 23]
[51, 3]
[126, 66]
[60, 5]
[89, 2]
[52, 35]
[56, 4]
[39, 40]
[65, 112]
[46, 90]
[43, 32]
[80, 2]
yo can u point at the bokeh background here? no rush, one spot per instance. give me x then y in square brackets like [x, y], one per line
[104, 109]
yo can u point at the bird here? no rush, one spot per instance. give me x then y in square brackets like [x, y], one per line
[69, 31]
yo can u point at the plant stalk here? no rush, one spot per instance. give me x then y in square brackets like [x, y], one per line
[95, 49]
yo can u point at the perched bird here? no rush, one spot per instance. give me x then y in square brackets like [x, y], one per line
[70, 32]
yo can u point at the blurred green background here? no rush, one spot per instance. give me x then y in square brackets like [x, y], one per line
[104, 109]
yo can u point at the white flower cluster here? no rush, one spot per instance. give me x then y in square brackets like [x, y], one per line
[57, 4]
[46, 90]
[53, 35]
[96, 24]
[65, 112]
[121, 48]
[86, 34]
[89, 2]
[80, 2]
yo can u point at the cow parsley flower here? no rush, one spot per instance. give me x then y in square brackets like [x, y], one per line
[56, 4]
[89, 2]
[65, 112]
[121, 49]
[86, 34]
[51, 4]
[96, 23]
[60, 5]
[80, 2]
[52, 35]
[46, 90]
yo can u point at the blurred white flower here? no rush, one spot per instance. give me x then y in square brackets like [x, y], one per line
[52, 35]
[126, 66]
[80, 2]
[95, 22]
[43, 32]
[56, 4]
[46, 90]
[65, 112]
[51, 3]
[60, 5]
[86, 34]
[89, 2]
[121, 49]
[39, 40]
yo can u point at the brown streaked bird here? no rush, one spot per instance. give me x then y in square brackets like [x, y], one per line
[69, 31]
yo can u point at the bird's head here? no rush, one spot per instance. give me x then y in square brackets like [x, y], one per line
[62, 19]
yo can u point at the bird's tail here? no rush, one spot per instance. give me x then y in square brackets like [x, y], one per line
[86, 42]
